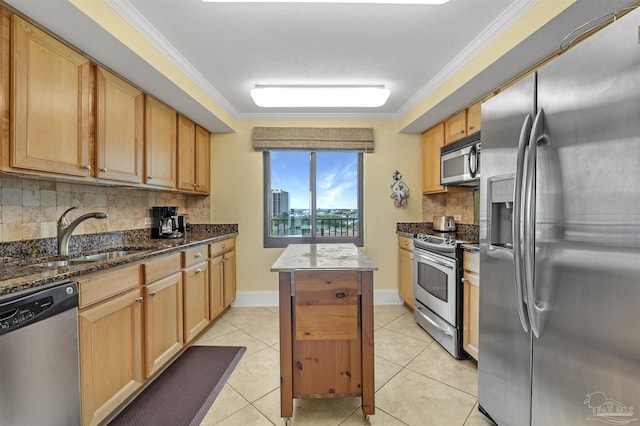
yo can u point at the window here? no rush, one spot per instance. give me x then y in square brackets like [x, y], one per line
[312, 197]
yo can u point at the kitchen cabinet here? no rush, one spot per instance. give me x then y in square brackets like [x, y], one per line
[222, 264]
[5, 62]
[163, 312]
[474, 118]
[471, 297]
[405, 269]
[119, 129]
[51, 105]
[160, 144]
[455, 127]
[110, 341]
[195, 281]
[193, 157]
[432, 141]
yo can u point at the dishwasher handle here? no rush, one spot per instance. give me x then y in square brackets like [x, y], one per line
[23, 309]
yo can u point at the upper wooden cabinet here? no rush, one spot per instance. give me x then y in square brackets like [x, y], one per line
[193, 156]
[455, 127]
[51, 104]
[432, 141]
[474, 122]
[160, 144]
[119, 128]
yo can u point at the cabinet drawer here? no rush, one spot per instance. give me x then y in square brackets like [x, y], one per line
[103, 286]
[471, 278]
[221, 246]
[194, 255]
[471, 261]
[159, 268]
[405, 243]
[326, 305]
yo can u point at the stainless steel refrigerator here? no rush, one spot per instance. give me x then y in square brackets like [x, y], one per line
[559, 336]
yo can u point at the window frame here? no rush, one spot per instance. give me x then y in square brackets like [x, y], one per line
[271, 241]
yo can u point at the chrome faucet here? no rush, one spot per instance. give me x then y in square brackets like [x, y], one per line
[65, 229]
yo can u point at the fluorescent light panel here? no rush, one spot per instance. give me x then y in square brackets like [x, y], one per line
[319, 96]
[333, 1]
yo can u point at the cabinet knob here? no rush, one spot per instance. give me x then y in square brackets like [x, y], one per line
[470, 127]
[139, 299]
[87, 167]
[198, 254]
[152, 293]
[149, 177]
[198, 185]
[194, 185]
[224, 245]
[104, 170]
[462, 132]
[462, 279]
[198, 270]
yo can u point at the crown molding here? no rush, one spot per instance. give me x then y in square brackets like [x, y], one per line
[510, 15]
[129, 13]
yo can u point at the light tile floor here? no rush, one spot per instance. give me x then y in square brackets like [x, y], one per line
[417, 382]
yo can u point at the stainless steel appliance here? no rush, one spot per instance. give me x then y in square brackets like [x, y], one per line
[437, 290]
[560, 239]
[165, 222]
[460, 162]
[39, 368]
[184, 225]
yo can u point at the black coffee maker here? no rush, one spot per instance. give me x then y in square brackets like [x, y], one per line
[165, 222]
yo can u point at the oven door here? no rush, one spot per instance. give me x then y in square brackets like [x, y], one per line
[435, 283]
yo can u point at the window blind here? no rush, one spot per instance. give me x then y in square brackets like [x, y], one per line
[313, 138]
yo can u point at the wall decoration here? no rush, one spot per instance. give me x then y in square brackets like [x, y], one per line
[399, 190]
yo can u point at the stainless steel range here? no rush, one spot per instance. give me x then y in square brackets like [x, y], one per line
[437, 289]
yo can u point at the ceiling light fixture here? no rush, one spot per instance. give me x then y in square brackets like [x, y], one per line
[333, 1]
[319, 96]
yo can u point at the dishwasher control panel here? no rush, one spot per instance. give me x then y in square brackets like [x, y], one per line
[16, 316]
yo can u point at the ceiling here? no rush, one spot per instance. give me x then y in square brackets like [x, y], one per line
[225, 49]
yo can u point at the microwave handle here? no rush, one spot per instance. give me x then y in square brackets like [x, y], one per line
[472, 161]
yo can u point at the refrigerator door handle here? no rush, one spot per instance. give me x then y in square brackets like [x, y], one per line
[537, 136]
[516, 224]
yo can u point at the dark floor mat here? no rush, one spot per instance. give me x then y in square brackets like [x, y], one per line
[185, 391]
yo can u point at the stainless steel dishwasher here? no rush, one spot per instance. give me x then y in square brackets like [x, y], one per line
[39, 369]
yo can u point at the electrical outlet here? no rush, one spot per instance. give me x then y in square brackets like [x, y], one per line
[457, 218]
[147, 221]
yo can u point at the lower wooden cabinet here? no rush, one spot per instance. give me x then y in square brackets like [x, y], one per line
[111, 341]
[471, 302]
[222, 261]
[216, 287]
[229, 273]
[405, 270]
[163, 321]
[195, 281]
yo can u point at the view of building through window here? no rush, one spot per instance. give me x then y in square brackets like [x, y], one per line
[314, 194]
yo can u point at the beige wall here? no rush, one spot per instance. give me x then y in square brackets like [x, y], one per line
[238, 197]
[29, 208]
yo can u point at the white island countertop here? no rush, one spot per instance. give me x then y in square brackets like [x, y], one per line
[309, 257]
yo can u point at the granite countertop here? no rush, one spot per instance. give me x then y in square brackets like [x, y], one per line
[30, 273]
[298, 257]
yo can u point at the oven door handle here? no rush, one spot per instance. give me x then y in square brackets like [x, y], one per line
[437, 261]
[436, 325]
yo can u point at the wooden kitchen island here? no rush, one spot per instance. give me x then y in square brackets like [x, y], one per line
[326, 324]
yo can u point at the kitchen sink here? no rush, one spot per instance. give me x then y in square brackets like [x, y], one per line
[81, 260]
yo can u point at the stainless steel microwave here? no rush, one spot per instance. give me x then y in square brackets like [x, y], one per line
[460, 162]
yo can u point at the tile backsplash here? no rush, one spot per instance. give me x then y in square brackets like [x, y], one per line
[30, 208]
[450, 204]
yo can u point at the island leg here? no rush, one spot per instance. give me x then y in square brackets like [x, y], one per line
[368, 366]
[286, 346]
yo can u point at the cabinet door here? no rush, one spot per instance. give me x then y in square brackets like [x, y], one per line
[163, 321]
[405, 276]
[110, 354]
[160, 144]
[216, 289]
[186, 153]
[471, 313]
[119, 128]
[203, 160]
[229, 272]
[432, 141]
[51, 104]
[195, 281]
[455, 127]
[5, 62]
[474, 121]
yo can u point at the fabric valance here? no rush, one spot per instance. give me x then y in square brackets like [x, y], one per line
[313, 138]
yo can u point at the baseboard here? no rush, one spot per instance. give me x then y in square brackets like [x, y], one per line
[270, 298]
